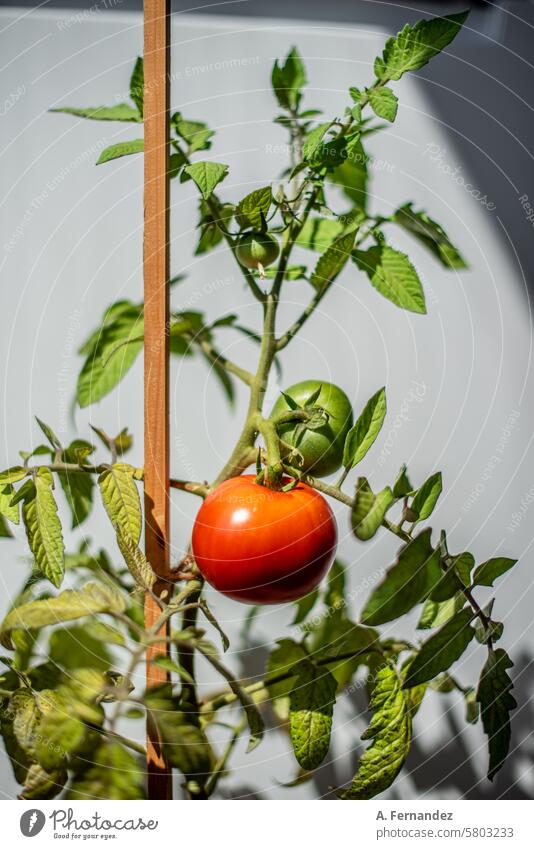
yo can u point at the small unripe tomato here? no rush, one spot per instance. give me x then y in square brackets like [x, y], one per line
[321, 449]
[264, 546]
[257, 250]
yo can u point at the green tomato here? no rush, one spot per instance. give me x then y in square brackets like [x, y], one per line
[321, 448]
[257, 249]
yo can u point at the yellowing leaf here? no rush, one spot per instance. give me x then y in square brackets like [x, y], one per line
[121, 500]
[43, 528]
[70, 604]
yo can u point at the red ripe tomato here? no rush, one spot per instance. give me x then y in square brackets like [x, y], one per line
[264, 546]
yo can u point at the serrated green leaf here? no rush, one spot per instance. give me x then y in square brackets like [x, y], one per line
[68, 605]
[425, 499]
[288, 80]
[314, 139]
[39, 784]
[334, 595]
[319, 233]
[184, 743]
[110, 352]
[430, 234]
[135, 560]
[310, 713]
[253, 209]
[363, 434]
[488, 572]
[406, 583]
[12, 475]
[59, 736]
[384, 103]
[206, 175]
[43, 527]
[463, 564]
[5, 531]
[393, 275]
[402, 486]
[78, 489]
[115, 151]
[441, 650]
[137, 82]
[352, 175]
[280, 662]
[369, 509]
[416, 45]
[196, 134]
[79, 647]
[112, 772]
[304, 606]
[496, 702]
[49, 433]
[332, 262]
[436, 613]
[119, 112]
[121, 500]
[390, 731]
[7, 509]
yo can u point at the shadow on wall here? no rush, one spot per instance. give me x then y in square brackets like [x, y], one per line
[447, 772]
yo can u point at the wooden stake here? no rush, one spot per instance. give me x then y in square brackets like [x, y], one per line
[156, 356]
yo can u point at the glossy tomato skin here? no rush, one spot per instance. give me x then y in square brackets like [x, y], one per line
[322, 449]
[263, 546]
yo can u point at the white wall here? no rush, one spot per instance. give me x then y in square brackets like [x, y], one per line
[71, 244]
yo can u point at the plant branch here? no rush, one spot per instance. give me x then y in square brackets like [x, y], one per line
[468, 595]
[228, 697]
[219, 359]
[201, 489]
[302, 319]
[320, 486]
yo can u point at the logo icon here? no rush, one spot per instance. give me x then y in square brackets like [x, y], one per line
[32, 822]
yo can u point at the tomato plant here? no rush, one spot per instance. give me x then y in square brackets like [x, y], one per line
[263, 545]
[265, 537]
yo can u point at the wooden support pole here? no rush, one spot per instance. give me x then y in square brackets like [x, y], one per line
[156, 355]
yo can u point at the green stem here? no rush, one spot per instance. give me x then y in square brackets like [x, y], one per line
[302, 319]
[274, 469]
[320, 486]
[220, 765]
[228, 697]
[194, 487]
[218, 359]
[468, 595]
